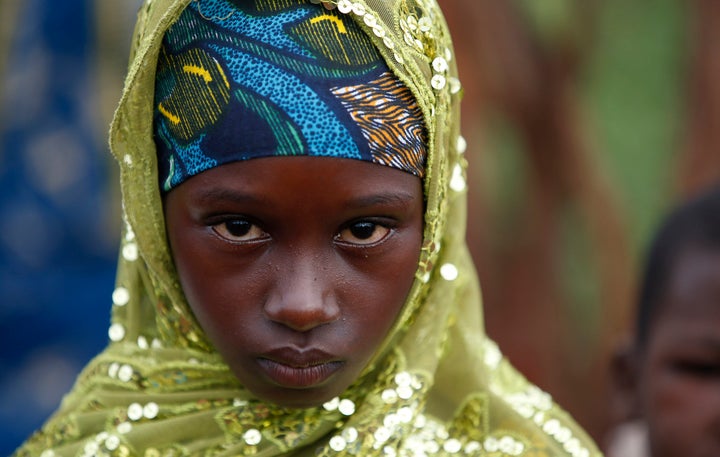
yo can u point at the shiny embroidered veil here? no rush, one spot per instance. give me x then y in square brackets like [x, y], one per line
[437, 385]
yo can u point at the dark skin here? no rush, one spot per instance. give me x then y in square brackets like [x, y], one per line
[297, 267]
[673, 383]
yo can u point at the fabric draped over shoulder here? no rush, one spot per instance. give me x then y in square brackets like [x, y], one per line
[436, 386]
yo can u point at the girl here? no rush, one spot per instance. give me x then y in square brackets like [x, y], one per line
[293, 277]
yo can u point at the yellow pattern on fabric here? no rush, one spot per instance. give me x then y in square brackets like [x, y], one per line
[437, 386]
[201, 79]
[338, 41]
[326, 17]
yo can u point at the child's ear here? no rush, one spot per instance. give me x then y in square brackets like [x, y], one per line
[624, 381]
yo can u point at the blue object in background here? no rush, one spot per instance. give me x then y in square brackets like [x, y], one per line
[58, 227]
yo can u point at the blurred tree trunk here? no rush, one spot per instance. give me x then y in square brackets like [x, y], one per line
[509, 68]
[700, 159]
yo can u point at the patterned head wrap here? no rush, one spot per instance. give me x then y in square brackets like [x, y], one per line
[242, 80]
[437, 385]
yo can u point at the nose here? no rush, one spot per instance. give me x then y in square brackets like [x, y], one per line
[302, 297]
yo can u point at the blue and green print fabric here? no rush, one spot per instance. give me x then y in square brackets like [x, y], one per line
[238, 80]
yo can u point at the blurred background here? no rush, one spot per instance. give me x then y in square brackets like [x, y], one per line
[586, 121]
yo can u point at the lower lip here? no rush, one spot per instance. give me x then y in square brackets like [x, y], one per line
[299, 378]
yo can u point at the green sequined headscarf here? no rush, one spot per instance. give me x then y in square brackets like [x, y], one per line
[436, 386]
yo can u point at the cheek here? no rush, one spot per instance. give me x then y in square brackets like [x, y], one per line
[683, 414]
[217, 296]
[387, 288]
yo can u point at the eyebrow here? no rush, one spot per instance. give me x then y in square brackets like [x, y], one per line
[385, 199]
[224, 194]
[205, 196]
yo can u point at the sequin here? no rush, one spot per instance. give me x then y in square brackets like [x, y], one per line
[120, 296]
[455, 85]
[551, 427]
[472, 447]
[389, 396]
[91, 448]
[409, 40]
[449, 272]
[344, 6]
[151, 410]
[370, 20]
[125, 373]
[457, 182]
[252, 437]
[112, 442]
[391, 421]
[130, 252]
[563, 434]
[124, 428]
[129, 233]
[350, 434]
[379, 32]
[152, 452]
[405, 414]
[425, 24]
[461, 144]
[431, 447]
[412, 23]
[389, 43]
[346, 407]
[128, 160]
[113, 369]
[48, 453]
[525, 411]
[359, 9]
[382, 434]
[491, 444]
[404, 392]
[135, 412]
[507, 445]
[493, 356]
[438, 82]
[440, 65]
[116, 332]
[403, 378]
[332, 405]
[142, 342]
[338, 443]
[452, 446]
[389, 451]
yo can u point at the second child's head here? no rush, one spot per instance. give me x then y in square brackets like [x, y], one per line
[672, 371]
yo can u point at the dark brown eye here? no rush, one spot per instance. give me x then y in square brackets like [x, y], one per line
[363, 233]
[239, 230]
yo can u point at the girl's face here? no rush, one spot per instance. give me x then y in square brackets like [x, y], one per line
[680, 373]
[296, 267]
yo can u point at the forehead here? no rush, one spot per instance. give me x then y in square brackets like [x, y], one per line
[692, 295]
[326, 178]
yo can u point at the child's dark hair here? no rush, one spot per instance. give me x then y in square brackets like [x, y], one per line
[694, 224]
